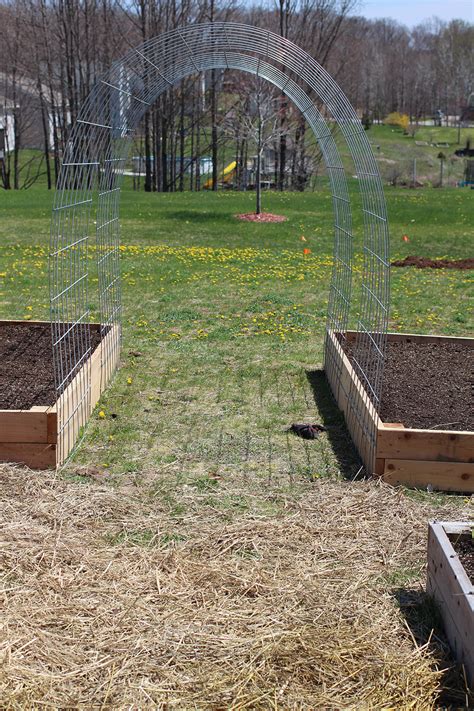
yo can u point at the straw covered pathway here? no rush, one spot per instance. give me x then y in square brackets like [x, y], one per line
[304, 600]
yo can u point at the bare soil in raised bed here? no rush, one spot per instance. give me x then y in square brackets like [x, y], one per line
[464, 547]
[26, 365]
[428, 385]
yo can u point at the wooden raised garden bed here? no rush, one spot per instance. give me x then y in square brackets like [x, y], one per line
[414, 456]
[33, 436]
[452, 587]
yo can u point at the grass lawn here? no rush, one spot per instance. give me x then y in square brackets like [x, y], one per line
[193, 554]
[395, 153]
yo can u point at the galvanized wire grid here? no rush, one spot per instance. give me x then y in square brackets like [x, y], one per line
[96, 157]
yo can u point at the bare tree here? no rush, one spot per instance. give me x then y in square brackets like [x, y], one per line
[256, 122]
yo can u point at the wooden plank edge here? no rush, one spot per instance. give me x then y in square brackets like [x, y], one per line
[33, 455]
[396, 427]
[462, 653]
[97, 386]
[425, 445]
[22, 322]
[420, 337]
[443, 476]
[28, 426]
[448, 583]
[441, 531]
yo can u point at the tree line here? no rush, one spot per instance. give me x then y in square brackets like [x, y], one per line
[52, 52]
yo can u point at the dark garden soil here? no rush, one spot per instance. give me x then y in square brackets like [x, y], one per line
[262, 217]
[425, 263]
[428, 385]
[464, 547]
[26, 365]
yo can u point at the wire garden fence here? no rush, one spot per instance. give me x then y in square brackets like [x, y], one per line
[89, 192]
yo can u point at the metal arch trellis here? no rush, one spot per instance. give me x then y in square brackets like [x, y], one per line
[91, 175]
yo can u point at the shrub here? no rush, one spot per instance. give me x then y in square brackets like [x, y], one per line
[395, 118]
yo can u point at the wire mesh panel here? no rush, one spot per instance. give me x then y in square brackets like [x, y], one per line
[96, 158]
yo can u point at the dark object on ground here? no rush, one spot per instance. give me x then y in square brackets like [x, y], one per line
[464, 547]
[26, 365]
[262, 217]
[307, 431]
[466, 152]
[426, 263]
[427, 385]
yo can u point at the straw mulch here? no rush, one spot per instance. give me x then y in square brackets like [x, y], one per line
[105, 606]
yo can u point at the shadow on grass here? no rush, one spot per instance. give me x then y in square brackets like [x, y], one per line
[200, 216]
[332, 418]
[425, 624]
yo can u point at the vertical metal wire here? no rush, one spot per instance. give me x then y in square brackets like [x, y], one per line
[97, 154]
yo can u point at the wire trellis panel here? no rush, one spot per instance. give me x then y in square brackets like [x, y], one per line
[91, 176]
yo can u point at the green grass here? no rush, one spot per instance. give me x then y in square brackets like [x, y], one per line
[395, 153]
[229, 316]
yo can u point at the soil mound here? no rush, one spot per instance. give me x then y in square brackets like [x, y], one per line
[426, 263]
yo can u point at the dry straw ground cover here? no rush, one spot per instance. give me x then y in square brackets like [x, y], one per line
[194, 554]
[291, 604]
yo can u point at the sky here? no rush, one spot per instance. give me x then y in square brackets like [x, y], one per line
[412, 12]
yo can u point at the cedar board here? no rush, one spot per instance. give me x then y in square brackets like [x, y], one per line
[449, 584]
[442, 459]
[31, 437]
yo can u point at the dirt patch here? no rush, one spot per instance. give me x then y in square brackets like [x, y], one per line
[26, 365]
[426, 263]
[464, 547]
[262, 217]
[427, 385]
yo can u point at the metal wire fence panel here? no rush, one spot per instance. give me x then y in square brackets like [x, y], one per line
[94, 164]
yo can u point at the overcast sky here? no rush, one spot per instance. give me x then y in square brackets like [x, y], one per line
[412, 12]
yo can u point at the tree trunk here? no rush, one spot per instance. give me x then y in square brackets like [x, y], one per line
[148, 186]
[214, 130]
[258, 181]
[181, 139]
[44, 123]
[157, 149]
[282, 158]
[164, 152]
[198, 136]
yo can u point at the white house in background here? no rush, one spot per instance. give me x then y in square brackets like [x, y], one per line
[205, 164]
[7, 132]
[28, 103]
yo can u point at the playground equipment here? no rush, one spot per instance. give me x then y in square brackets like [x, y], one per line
[225, 176]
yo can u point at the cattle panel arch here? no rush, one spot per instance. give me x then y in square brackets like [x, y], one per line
[89, 187]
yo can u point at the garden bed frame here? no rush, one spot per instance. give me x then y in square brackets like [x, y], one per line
[449, 584]
[32, 437]
[443, 459]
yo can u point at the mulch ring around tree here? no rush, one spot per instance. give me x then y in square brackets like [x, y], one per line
[426, 263]
[262, 217]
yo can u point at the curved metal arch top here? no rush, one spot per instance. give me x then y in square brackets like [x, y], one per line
[96, 156]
